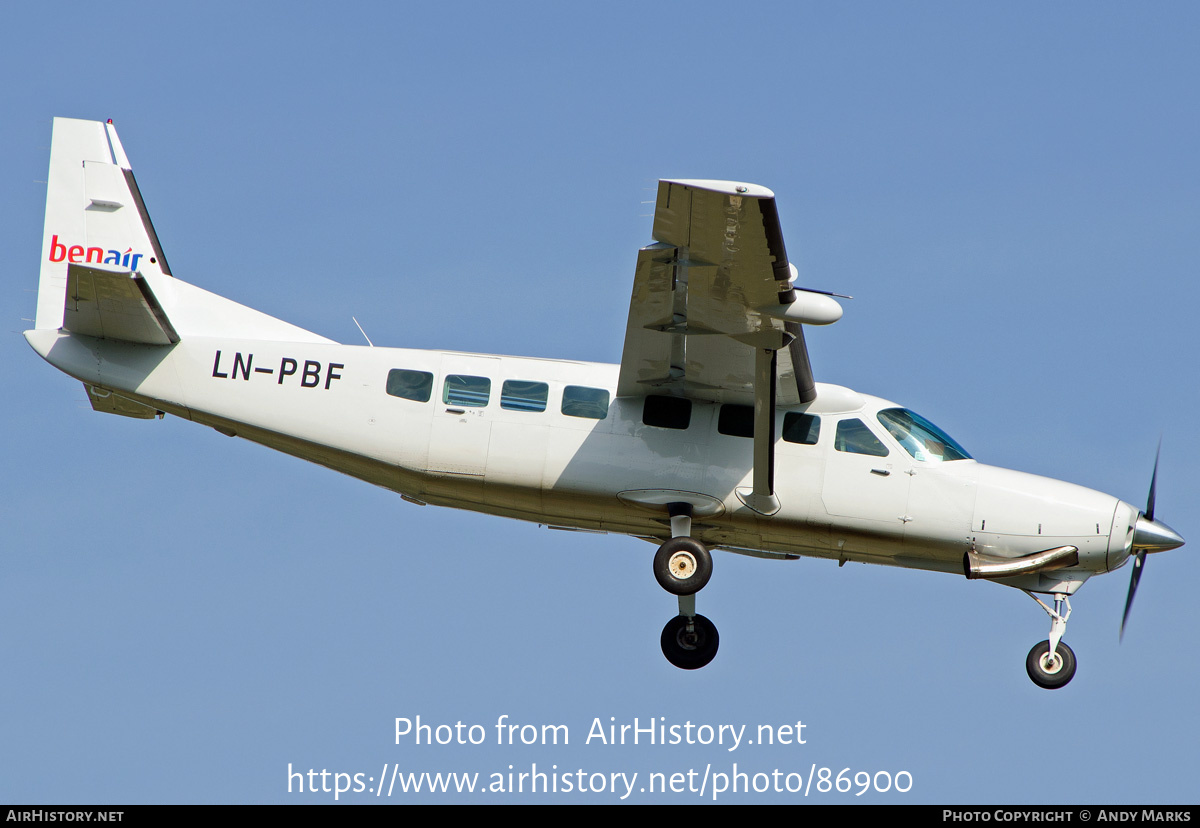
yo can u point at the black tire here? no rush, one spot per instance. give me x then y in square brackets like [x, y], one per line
[690, 651]
[1050, 676]
[682, 566]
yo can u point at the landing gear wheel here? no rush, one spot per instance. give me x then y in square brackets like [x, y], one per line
[682, 566]
[689, 650]
[1047, 672]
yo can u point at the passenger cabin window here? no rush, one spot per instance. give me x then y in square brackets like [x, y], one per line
[581, 401]
[854, 437]
[801, 428]
[667, 412]
[519, 395]
[410, 385]
[736, 420]
[469, 392]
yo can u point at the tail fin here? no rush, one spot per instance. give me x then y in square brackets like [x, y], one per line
[103, 273]
[94, 214]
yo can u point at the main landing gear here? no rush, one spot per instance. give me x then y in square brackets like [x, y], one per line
[689, 643]
[1051, 664]
[682, 566]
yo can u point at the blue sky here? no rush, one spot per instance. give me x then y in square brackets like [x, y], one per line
[1009, 191]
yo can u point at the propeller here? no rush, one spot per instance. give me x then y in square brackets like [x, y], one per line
[1148, 536]
[1138, 563]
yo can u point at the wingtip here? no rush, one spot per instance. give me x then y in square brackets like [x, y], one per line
[738, 188]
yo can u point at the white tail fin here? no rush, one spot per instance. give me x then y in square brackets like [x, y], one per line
[94, 213]
[100, 247]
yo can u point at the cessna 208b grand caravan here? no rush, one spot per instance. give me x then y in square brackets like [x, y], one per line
[710, 434]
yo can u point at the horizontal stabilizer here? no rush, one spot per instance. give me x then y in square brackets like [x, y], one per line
[115, 304]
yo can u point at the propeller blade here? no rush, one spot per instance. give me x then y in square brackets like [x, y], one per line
[1138, 562]
[1153, 484]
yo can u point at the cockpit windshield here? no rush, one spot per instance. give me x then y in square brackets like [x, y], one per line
[921, 438]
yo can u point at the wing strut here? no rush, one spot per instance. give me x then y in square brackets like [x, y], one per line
[762, 498]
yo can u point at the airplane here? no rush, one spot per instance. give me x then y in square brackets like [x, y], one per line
[711, 434]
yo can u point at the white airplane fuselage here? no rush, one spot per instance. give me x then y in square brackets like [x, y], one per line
[711, 433]
[327, 403]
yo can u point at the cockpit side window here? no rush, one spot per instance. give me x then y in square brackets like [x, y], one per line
[921, 438]
[854, 437]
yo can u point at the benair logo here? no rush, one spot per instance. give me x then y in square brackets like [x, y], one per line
[59, 252]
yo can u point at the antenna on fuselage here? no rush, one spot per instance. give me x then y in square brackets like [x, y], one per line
[364, 333]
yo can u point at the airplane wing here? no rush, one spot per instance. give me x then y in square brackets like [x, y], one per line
[716, 287]
[715, 317]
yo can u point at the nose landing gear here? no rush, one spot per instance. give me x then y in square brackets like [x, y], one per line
[1051, 664]
[1050, 671]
